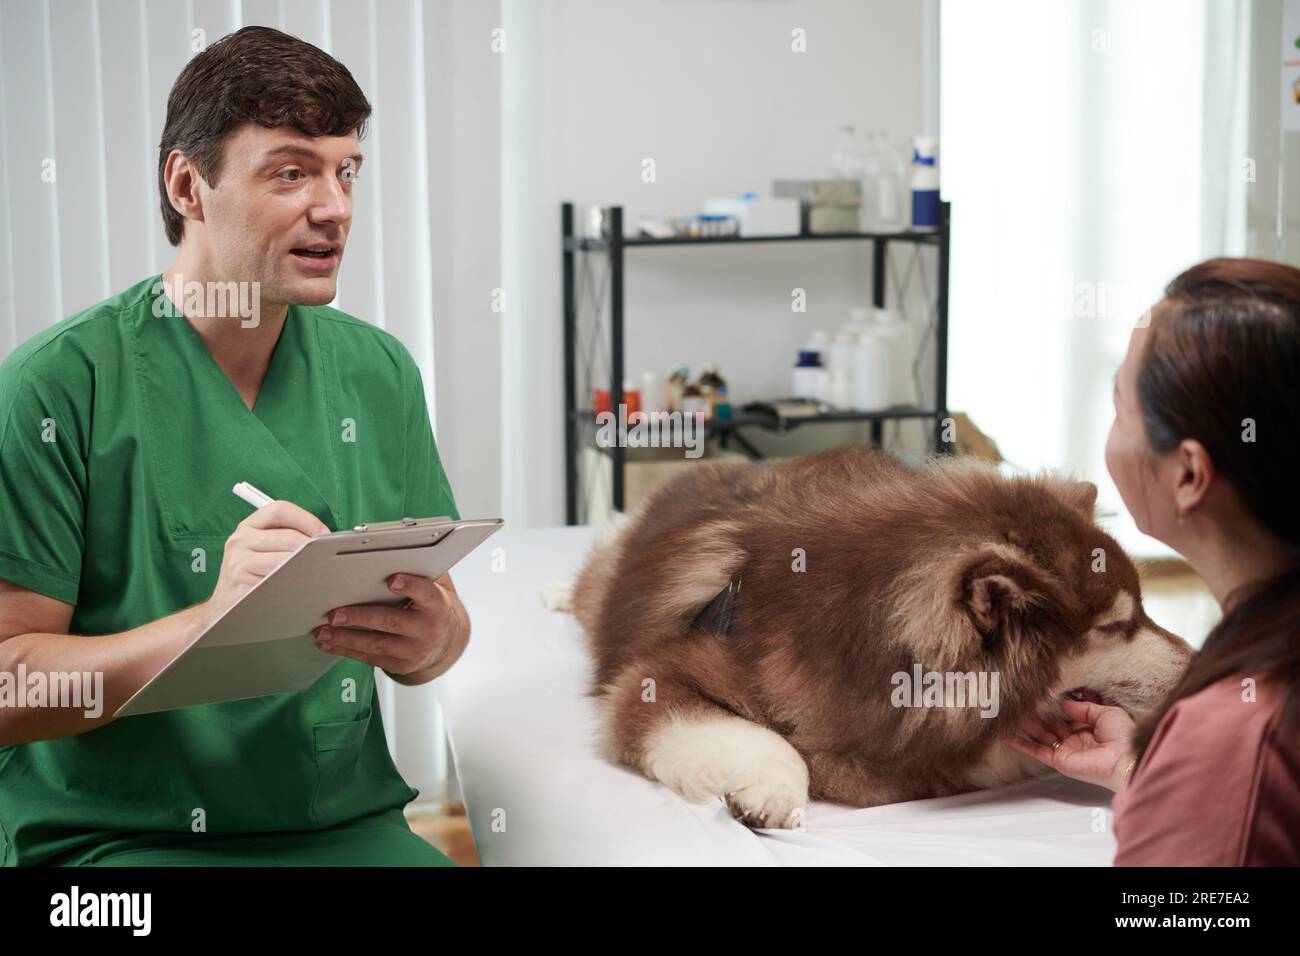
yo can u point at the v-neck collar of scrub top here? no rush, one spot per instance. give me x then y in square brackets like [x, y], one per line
[203, 438]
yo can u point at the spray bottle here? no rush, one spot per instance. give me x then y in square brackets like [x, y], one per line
[925, 183]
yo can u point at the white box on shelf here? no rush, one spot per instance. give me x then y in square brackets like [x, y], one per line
[759, 217]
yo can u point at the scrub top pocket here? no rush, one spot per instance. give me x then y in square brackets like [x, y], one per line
[339, 746]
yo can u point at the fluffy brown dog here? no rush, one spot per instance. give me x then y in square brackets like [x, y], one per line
[887, 625]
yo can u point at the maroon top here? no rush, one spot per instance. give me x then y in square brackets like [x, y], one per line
[1219, 786]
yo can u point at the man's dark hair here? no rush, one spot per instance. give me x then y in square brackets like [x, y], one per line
[257, 75]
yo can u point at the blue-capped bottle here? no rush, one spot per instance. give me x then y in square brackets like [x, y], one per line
[925, 183]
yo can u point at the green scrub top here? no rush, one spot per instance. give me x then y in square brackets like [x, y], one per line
[120, 439]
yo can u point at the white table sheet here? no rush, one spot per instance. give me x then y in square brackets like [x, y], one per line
[537, 793]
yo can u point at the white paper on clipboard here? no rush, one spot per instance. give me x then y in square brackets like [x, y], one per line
[264, 645]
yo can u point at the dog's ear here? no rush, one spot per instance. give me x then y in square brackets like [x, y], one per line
[999, 587]
[1080, 495]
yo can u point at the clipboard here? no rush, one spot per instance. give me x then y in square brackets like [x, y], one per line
[263, 644]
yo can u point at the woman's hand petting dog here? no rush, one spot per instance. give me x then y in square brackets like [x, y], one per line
[1095, 747]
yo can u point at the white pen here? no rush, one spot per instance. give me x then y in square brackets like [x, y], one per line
[251, 494]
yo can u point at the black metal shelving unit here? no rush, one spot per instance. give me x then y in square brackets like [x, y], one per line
[579, 419]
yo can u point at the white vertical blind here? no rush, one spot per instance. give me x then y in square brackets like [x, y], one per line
[1092, 150]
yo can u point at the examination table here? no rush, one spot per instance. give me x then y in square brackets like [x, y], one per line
[523, 736]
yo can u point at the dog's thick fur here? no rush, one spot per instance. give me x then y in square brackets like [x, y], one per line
[854, 567]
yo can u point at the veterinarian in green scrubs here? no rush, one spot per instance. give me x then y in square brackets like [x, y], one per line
[122, 432]
[125, 515]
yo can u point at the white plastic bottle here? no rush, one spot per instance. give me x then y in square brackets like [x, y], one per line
[808, 378]
[925, 184]
[820, 342]
[842, 351]
[839, 374]
[654, 393]
[859, 320]
[883, 207]
[896, 334]
[849, 160]
[873, 371]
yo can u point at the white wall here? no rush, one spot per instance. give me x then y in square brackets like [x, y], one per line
[713, 93]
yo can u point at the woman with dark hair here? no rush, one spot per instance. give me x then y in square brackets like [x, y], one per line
[1205, 452]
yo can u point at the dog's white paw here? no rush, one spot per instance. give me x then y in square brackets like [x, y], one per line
[770, 803]
[762, 778]
[558, 596]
